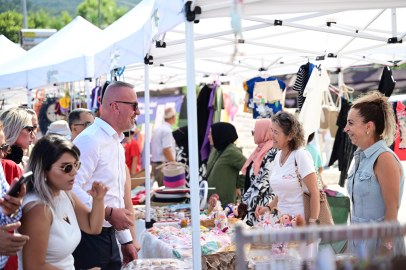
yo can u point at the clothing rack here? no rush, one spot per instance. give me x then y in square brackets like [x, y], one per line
[312, 233]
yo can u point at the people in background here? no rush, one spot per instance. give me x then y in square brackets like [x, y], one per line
[225, 162]
[318, 163]
[10, 213]
[132, 152]
[52, 215]
[79, 120]
[140, 138]
[291, 161]
[257, 170]
[163, 145]
[59, 127]
[103, 159]
[19, 132]
[376, 180]
[34, 125]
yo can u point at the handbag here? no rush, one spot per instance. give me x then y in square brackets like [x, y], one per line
[208, 174]
[325, 216]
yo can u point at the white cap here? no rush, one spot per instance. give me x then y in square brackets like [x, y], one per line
[59, 127]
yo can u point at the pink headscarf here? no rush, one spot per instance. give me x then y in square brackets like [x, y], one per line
[263, 138]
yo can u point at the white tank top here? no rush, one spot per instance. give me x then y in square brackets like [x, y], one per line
[63, 237]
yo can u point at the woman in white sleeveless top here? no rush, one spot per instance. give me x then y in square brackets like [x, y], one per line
[52, 215]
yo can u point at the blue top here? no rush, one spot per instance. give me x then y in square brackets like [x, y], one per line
[363, 187]
[269, 108]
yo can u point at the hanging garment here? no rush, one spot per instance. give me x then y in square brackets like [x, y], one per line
[387, 83]
[300, 84]
[343, 149]
[205, 150]
[311, 111]
[217, 104]
[400, 142]
[394, 106]
[202, 116]
[246, 100]
[261, 111]
[267, 92]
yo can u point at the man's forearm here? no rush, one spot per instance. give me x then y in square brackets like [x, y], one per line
[168, 154]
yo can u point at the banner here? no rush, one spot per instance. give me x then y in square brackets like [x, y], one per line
[233, 97]
[157, 106]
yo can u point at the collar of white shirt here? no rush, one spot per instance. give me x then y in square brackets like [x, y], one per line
[108, 129]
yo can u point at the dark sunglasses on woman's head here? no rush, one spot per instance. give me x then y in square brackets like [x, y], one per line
[284, 116]
[4, 148]
[69, 167]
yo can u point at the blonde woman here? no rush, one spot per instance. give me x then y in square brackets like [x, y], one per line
[19, 132]
[52, 215]
[375, 182]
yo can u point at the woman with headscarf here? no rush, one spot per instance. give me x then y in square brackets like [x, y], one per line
[225, 162]
[257, 170]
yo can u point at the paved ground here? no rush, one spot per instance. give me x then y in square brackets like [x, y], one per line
[331, 177]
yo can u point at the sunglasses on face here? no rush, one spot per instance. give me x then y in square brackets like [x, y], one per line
[69, 167]
[30, 129]
[86, 125]
[135, 104]
[252, 132]
[4, 148]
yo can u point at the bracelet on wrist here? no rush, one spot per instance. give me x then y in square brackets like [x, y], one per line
[269, 208]
[111, 212]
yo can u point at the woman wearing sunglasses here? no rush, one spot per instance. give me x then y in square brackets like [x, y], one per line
[19, 132]
[52, 214]
[291, 160]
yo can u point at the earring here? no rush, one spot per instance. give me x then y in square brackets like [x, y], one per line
[45, 179]
[367, 132]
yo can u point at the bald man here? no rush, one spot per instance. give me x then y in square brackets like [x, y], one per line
[103, 159]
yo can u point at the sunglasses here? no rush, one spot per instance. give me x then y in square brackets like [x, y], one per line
[86, 125]
[284, 116]
[4, 148]
[252, 132]
[30, 129]
[135, 104]
[69, 167]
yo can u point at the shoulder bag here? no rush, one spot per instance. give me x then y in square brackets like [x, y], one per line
[325, 216]
[206, 177]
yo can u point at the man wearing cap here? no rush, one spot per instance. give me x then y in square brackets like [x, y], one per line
[59, 127]
[163, 145]
[79, 120]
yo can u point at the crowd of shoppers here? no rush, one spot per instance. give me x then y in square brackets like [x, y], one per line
[80, 191]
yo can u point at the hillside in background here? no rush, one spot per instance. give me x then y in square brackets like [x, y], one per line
[54, 7]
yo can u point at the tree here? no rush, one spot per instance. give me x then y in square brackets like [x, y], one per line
[89, 10]
[39, 19]
[11, 23]
[8, 5]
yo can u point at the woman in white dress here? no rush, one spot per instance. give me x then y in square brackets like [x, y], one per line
[288, 137]
[52, 215]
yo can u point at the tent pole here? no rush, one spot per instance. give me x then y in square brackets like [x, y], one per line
[147, 148]
[28, 98]
[394, 25]
[193, 144]
[88, 101]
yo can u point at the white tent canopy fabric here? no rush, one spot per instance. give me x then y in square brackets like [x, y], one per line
[124, 42]
[23, 71]
[9, 50]
[277, 49]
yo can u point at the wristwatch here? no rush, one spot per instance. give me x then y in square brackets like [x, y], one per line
[316, 221]
[388, 245]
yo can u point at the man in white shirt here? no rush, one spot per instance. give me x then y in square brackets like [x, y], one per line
[103, 158]
[163, 145]
[79, 119]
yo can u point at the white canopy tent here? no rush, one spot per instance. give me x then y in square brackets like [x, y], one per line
[9, 50]
[21, 71]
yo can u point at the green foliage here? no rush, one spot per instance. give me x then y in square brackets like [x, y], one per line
[39, 20]
[11, 23]
[403, 66]
[9, 5]
[109, 12]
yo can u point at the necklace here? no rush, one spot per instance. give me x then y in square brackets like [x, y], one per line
[280, 163]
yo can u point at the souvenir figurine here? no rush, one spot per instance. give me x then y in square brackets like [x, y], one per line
[298, 221]
[286, 219]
